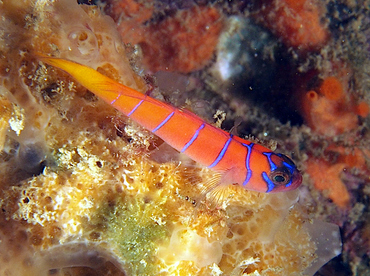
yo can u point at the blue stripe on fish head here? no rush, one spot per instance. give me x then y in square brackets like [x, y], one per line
[283, 173]
[247, 163]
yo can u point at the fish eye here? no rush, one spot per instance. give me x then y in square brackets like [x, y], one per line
[280, 177]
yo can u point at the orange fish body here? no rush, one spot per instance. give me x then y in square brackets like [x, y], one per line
[239, 161]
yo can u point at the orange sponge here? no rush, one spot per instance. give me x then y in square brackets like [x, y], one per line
[182, 42]
[362, 109]
[332, 88]
[329, 111]
[297, 22]
[326, 177]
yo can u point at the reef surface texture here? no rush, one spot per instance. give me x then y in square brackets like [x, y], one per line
[86, 191]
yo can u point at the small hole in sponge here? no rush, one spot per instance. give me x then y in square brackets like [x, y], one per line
[32, 159]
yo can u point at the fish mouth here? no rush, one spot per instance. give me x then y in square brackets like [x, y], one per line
[296, 180]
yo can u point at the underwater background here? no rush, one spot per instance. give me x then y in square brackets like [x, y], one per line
[84, 190]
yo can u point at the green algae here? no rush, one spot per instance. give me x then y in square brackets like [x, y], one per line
[133, 230]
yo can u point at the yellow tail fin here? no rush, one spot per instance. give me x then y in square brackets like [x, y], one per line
[100, 85]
